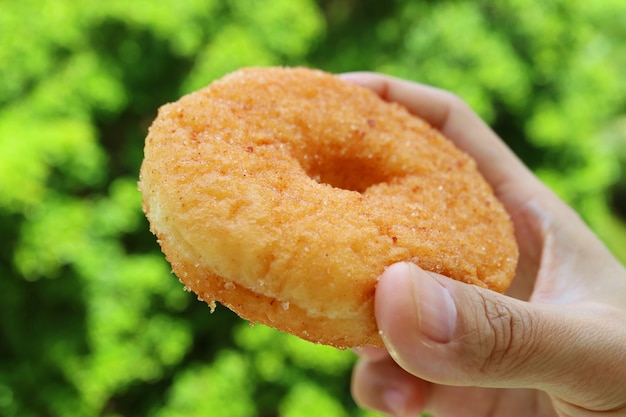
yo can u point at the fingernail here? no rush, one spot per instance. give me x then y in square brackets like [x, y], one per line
[435, 307]
[395, 402]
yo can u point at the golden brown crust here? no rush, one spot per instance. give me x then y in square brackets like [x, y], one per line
[283, 193]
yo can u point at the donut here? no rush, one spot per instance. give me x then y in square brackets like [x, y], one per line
[284, 193]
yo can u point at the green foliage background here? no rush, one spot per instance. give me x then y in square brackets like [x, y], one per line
[92, 323]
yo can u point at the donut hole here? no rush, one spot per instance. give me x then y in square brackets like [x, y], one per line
[345, 172]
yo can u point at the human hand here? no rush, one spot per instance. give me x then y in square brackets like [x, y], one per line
[554, 345]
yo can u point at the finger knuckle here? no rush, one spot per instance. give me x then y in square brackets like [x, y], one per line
[509, 339]
[457, 103]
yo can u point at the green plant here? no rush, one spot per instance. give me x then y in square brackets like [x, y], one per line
[93, 323]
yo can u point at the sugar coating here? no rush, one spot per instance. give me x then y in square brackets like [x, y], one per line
[283, 193]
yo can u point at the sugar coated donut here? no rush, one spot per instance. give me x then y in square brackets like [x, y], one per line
[283, 193]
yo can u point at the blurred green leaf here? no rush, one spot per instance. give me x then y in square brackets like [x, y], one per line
[306, 399]
[92, 320]
[221, 389]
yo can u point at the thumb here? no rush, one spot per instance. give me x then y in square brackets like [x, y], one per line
[452, 333]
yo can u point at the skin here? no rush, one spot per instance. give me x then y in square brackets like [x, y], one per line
[554, 345]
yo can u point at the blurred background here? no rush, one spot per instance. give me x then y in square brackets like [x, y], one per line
[93, 323]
